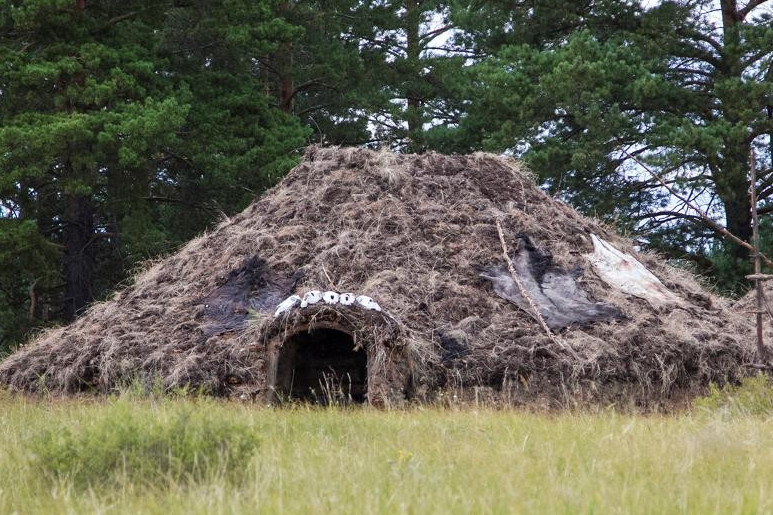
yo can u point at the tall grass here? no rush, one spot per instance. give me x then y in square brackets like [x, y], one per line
[754, 396]
[205, 456]
[182, 445]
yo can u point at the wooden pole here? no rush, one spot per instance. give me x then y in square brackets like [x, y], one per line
[521, 288]
[758, 282]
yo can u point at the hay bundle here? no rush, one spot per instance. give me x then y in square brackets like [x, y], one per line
[410, 231]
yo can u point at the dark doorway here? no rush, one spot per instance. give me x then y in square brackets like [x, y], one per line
[321, 366]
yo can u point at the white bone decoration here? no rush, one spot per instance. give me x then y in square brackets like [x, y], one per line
[329, 297]
[286, 305]
[311, 297]
[367, 303]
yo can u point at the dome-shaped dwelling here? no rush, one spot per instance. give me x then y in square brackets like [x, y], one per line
[266, 305]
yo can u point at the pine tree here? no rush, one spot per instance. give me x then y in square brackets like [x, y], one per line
[404, 86]
[682, 89]
[125, 128]
[239, 137]
[81, 106]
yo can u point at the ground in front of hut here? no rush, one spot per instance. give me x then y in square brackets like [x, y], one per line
[197, 455]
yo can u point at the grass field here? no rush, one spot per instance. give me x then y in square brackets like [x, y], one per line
[130, 455]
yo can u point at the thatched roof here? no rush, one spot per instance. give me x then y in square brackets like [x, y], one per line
[412, 232]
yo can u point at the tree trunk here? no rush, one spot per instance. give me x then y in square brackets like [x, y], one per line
[732, 179]
[413, 115]
[283, 64]
[78, 260]
[284, 67]
[286, 94]
[738, 220]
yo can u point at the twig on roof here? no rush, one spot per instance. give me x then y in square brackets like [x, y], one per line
[525, 294]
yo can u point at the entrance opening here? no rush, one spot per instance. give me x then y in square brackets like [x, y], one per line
[321, 366]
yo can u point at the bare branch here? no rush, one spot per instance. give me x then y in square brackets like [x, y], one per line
[674, 215]
[711, 223]
[693, 71]
[117, 19]
[525, 294]
[753, 4]
[429, 36]
[763, 352]
[453, 50]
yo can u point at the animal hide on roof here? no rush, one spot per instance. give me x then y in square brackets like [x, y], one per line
[251, 287]
[560, 300]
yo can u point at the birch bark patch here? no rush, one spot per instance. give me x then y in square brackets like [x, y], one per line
[625, 273]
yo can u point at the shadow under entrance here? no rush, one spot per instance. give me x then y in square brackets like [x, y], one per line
[321, 366]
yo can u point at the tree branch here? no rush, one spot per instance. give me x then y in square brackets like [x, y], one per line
[765, 210]
[753, 4]
[753, 58]
[383, 45]
[171, 200]
[675, 215]
[310, 109]
[699, 53]
[116, 19]
[452, 50]
[308, 84]
[694, 71]
[428, 36]
[706, 219]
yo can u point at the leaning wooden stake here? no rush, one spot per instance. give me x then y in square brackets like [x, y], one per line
[525, 294]
[758, 277]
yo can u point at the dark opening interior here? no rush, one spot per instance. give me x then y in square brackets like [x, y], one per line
[321, 366]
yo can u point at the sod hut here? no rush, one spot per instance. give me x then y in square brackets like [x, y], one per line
[380, 277]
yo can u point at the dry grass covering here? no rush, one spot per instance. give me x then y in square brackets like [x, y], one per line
[408, 231]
